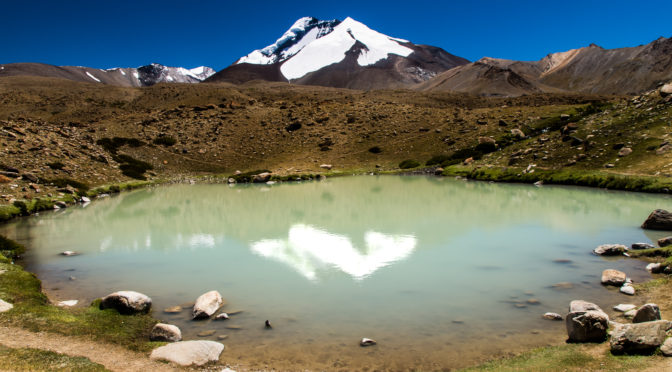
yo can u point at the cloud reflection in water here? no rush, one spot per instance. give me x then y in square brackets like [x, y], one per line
[308, 249]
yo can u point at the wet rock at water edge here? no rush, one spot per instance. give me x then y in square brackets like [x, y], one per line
[624, 307]
[647, 313]
[207, 304]
[638, 338]
[613, 277]
[552, 316]
[660, 219]
[654, 267]
[127, 302]
[367, 342]
[664, 242]
[173, 310]
[627, 289]
[186, 353]
[610, 250]
[261, 177]
[222, 316]
[165, 332]
[636, 246]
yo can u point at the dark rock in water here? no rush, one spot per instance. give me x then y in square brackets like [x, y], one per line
[664, 242]
[659, 219]
[647, 313]
[636, 246]
[638, 338]
[127, 302]
[267, 325]
[610, 250]
[587, 326]
[613, 277]
[562, 261]
[165, 332]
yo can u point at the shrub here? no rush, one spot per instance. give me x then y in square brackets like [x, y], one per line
[438, 159]
[409, 163]
[165, 141]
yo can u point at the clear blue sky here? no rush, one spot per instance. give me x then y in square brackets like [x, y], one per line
[105, 34]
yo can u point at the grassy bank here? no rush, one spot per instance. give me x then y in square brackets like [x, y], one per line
[600, 179]
[33, 311]
[26, 359]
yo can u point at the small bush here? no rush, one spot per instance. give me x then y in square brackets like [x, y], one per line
[438, 159]
[375, 150]
[409, 163]
[165, 141]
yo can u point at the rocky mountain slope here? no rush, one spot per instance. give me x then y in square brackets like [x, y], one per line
[127, 77]
[586, 70]
[344, 54]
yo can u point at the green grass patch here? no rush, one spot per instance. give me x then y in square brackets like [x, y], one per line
[408, 164]
[10, 249]
[26, 359]
[7, 212]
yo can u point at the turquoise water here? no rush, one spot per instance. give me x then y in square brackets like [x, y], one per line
[418, 263]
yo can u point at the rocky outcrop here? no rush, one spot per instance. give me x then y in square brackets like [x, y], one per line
[207, 304]
[659, 219]
[613, 277]
[127, 302]
[647, 313]
[165, 332]
[638, 338]
[610, 250]
[187, 353]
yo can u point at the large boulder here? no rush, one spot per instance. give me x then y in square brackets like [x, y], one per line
[588, 326]
[638, 338]
[659, 219]
[165, 332]
[187, 353]
[127, 302]
[647, 313]
[610, 250]
[613, 277]
[207, 304]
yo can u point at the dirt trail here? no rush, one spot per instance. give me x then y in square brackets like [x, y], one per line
[113, 357]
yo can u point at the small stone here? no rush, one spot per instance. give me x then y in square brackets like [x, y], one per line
[666, 347]
[458, 321]
[659, 219]
[222, 316]
[165, 332]
[654, 267]
[562, 261]
[85, 199]
[647, 313]
[624, 152]
[326, 166]
[69, 253]
[636, 246]
[539, 183]
[533, 301]
[613, 277]
[664, 242]
[5, 306]
[61, 204]
[267, 325]
[628, 289]
[222, 337]
[173, 310]
[610, 250]
[624, 307]
[207, 333]
[609, 165]
[563, 285]
[367, 342]
[577, 306]
[207, 304]
[666, 90]
[552, 316]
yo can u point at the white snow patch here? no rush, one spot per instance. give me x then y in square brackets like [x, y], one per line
[2, 67]
[169, 78]
[266, 56]
[123, 72]
[331, 49]
[136, 74]
[92, 77]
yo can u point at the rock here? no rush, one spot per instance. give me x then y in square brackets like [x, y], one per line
[624, 152]
[563, 285]
[539, 183]
[487, 140]
[517, 133]
[61, 204]
[127, 302]
[326, 166]
[666, 90]
[186, 353]
[647, 313]
[67, 303]
[624, 307]
[664, 242]
[5, 306]
[206, 333]
[502, 123]
[610, 250]
[564, 116]
[222, 316]
[659, 219]
[207, 304]
[654, 267]
[261, 177]
[666, 347]
[165, 332]
[468, 161]
[587, 326]
[85, 199]
[638, 338]
[577, 306]
[237, 173]
[630, 313]
[367, 342]
[636, 246]
[69, 253]
[30, 177]
[628, 289]
[663, 149]
[613, 277]
[533, 301]
[231, 180]
[552, 316]
[609, 165]
[438, 171]
[173, 310]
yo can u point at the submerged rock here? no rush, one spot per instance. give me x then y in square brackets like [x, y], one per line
[186, 353]
[647, 313]
[367, 342]
[613, 277]
[165, 332]
[173, 310]
[638, 338]
[207, 304]
[127, 302]
[624, 307]
[610, 250]
[659, 219]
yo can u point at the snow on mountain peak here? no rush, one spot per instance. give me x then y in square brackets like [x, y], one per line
[332, 48]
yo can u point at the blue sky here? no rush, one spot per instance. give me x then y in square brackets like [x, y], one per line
[105, 34]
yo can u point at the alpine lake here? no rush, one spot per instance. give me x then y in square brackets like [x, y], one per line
[442, 273]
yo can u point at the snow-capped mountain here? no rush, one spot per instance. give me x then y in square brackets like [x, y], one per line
[340, 54]
[133, 77]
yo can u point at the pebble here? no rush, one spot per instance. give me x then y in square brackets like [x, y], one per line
[552, 316]
[5, 306]
[222, 337]
[69, 253]
[173, 310]
[367, 342]
[222, 316]
[206, 333]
